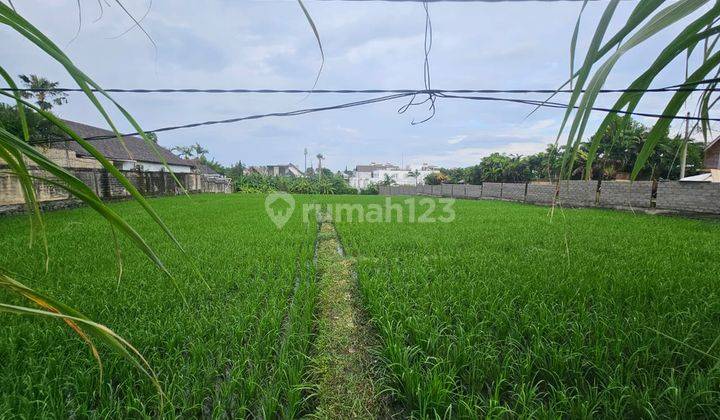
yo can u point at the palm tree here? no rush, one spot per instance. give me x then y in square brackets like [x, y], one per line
[44, 98]
[199, 150]
[184, 152]
[414, 174]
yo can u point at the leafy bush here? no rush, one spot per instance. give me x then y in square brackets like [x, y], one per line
[256, 183]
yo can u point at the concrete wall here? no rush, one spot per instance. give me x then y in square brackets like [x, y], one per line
[492, 190]
[105, 186]
[459, 191]
[626, 194]
[446, 190]
[540, 193]
[473, 191]
[689, 196]
[514, 192]
[578, 193]
[699, 197]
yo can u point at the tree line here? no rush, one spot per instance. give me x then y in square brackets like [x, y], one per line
[618, 149]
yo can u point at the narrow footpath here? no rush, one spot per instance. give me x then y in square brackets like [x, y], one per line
[343, 368]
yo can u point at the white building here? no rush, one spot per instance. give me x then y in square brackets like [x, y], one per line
[374, 173]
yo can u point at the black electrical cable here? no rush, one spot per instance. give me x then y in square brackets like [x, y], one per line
[378, 100]
[675, 88]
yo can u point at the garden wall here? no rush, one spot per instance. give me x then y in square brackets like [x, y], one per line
[106, 186]
[492, 190]
[689, 196]
[697, 197]
[626, 194]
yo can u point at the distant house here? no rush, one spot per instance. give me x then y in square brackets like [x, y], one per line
[711, 163]
[712, 155]
[276, 170]
[205, 170]
[135, 153]
[374, 173]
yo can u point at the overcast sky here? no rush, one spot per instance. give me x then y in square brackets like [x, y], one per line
[368, 45]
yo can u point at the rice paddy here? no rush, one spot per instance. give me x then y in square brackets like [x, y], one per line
[503, 311]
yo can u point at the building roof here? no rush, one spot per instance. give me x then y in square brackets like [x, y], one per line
[713, 143]
[712, 176]
[201, 167]
[375, 167]
[113, 149]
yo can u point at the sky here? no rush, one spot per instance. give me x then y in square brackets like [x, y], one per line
[367, 45]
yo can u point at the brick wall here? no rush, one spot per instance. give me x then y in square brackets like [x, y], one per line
[700, 197]
[578, 193]
[689, 196]
[541, 193]
[492, 190]
[626, 194]
[473, 191]
[446, 190]
[459, 191]
[514, 191]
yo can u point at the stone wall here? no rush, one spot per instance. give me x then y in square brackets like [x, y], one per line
[105, 186]
[689, 196]
[697, 197]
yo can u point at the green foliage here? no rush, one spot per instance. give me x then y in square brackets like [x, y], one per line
[436, 178]
[40, 129]
[371, 189]
[329, 183]
[615, 151]
[43, 99]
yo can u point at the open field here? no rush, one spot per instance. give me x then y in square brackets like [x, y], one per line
[503, 310]
[237, 348]
[506, 311]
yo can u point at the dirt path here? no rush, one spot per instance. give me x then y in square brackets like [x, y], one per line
[343, 368]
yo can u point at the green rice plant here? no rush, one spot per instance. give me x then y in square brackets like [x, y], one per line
[240, 350]
[14, 151]
[505, 312]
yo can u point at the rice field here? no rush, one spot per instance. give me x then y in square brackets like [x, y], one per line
[502, 312]
[507, 312]
[237, 348]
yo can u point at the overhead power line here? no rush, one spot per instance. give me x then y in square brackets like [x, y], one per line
[383, 99]
[676, 88]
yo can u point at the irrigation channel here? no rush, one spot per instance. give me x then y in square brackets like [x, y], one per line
[344, 369]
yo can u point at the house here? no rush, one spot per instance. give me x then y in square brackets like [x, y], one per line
[711, 163]
[276, 170]
[141, 164]
[374, 173]
[134, 154]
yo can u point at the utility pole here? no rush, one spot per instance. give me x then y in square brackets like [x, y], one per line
[320, 158]
[305, 169]
[683, 155]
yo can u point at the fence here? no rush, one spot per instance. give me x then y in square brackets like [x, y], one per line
[698, 197]
[105, 186]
